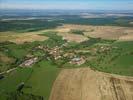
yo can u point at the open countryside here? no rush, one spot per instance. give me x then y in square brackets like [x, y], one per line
[66, 54]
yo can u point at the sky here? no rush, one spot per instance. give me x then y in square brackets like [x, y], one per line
[68, 4]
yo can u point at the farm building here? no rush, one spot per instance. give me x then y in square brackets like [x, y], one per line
[78, 61]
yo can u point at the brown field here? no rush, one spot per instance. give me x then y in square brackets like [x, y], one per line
[65, 33]
[73, 37]
[86, 84]
[105, 32]
[126, 38]
[5, 59]
[20, 38]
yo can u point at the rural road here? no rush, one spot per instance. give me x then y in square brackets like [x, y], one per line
[8, 71]
[86, 84]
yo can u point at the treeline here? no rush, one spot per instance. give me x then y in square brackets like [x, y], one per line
[39, 24]
[19, 96]
[27, 25]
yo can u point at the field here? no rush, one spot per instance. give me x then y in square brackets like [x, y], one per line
[118, 61]
[13, 79]
[5, 59]
[20, 38]
[86, 84]
[42, 79]
[105, 32]
[66, 58]
[38, 80]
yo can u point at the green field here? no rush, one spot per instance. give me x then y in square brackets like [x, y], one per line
[13, 79]
[38, 80]
[118, 61]
[9, 84]
[42, 78]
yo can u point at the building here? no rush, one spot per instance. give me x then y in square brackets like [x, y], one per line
[77, 60]
[29, 62]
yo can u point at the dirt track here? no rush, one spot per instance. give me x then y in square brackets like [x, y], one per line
[86, 84]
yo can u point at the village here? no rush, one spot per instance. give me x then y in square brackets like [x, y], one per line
[56, 53]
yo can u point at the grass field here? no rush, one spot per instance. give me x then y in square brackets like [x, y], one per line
[42, 78]
[38, 80]
[116, 61]
[13, 79]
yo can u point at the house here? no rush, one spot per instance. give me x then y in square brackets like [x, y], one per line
[69, 55]
[29, 62]
[77, 60]
[55, 52]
